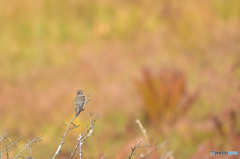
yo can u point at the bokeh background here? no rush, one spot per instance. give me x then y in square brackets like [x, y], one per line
[175, 65]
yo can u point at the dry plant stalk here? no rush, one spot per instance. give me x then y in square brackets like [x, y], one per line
[147, 145]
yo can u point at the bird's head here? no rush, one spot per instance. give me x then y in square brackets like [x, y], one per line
[79, 92]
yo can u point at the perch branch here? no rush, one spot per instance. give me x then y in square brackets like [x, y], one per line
[83, 137]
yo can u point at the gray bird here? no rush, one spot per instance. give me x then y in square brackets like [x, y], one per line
[80, 102]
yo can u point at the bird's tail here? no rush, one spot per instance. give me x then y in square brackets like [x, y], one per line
[78, 112]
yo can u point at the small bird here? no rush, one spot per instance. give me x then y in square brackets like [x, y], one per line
[80, 102]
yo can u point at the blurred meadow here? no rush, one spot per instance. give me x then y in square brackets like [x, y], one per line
[175, 65]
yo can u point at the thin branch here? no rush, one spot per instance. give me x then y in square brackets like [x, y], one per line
[156, 147]
[88, 133]
[80, 146]
[167, 155]
[30, 150]
[70, 150]
[145, 135]
[7, 153]
[24, 157]
[63, 137]
[4, 137]
[88, 99]
[7, 147]
[136, 147]
[37, 139]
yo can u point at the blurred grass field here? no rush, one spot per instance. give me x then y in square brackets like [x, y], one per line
[50, 49]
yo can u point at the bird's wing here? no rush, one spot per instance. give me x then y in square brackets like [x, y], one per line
[76, 101]
[83, 100]
[79, 101]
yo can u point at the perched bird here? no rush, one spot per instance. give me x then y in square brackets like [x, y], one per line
[80, 102]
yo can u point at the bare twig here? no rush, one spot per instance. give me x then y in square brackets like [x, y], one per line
[143, 130]
[4, 137]
[88, 99]
[37, 139]
[145, 135]
[63, 137]
[30, 150]
[151, 151]
[80, 146]
[7, 147]
[12, 144]
[80, 137]
[83, 137]
[136, 147]
[167, 155]
[25, 157]
[70, 150]
[7, 153]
